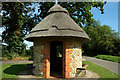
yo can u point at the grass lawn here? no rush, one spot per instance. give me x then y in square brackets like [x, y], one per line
[109, 58]
[102, 72]
[11, 70]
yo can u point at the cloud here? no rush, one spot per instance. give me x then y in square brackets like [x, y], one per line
[28, 43]
[1, 30]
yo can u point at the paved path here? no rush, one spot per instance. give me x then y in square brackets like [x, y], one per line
[112, 66]
[25, 74]
[16, 62]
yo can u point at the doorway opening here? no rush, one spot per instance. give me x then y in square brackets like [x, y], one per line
[56, 55]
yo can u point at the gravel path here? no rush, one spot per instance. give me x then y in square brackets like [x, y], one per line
[112, 66]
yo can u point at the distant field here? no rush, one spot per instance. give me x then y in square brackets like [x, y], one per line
[20, 58]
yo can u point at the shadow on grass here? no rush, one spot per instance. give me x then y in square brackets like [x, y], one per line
[15, 69]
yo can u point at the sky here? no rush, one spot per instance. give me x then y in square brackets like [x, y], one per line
[110, 17]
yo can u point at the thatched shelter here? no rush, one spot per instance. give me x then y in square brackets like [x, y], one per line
[57, 44]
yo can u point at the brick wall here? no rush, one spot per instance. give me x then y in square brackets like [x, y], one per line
[41, 60]
[72, 56]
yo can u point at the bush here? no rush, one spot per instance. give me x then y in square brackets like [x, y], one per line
[109, 58]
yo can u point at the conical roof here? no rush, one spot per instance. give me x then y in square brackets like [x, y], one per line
[57, 8]
[57, 23]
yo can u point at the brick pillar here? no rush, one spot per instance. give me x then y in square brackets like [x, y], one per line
[72, 58]
[46, 60]
[67, 61]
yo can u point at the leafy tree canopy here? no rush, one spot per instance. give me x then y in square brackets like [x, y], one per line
[104, 40]
[19, 18]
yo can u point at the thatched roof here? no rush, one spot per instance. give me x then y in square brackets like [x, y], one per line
[57, 23]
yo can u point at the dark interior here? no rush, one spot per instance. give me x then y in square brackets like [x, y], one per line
[56, 51]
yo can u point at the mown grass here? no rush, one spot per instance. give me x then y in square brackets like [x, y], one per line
[109, 58]
[11, 70]
[102, 72]
[0, 71]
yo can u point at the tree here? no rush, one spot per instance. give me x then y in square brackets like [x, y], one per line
[17, 21]
[29, 52]
[19, 18]
[103, 40]
[116, 49]
[79, 11]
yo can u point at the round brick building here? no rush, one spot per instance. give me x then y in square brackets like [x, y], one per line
[57, 44]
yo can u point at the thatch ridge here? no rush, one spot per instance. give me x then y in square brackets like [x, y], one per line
[57, 8]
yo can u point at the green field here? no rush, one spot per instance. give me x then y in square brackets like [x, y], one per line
[109, 58]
